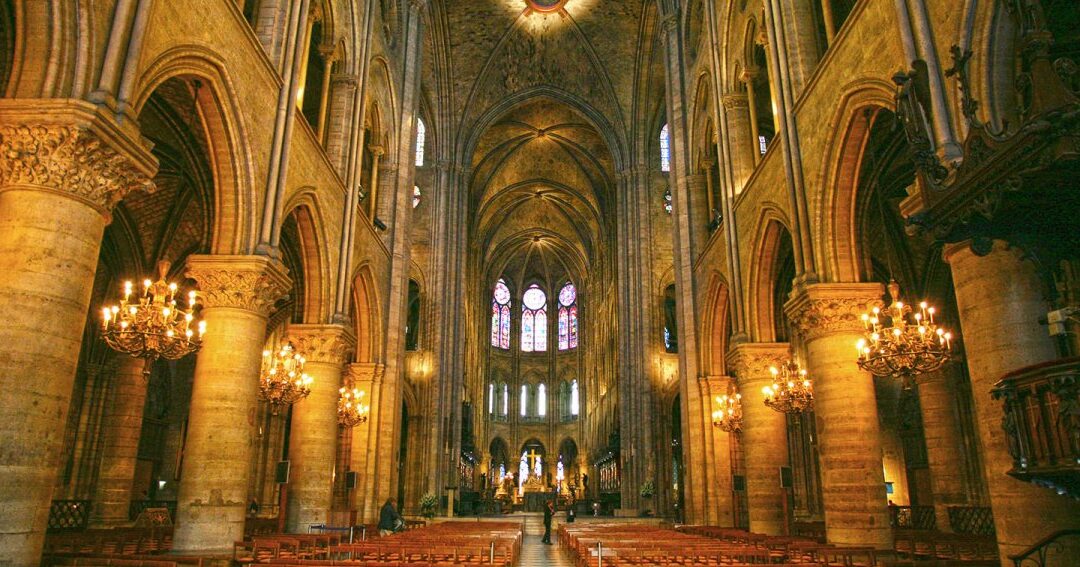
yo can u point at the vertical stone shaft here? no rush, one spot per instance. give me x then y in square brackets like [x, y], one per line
[62, 167]
[853, 481]
[121, 431]
[1000, 303]
[313, 441]
[764, 435]
[237, 293]
[944, 447]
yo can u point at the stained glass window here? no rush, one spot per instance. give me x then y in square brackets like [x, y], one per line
[524, 400]
[534, 320]
[416, 195]
[568, 329]
[667, 201]
[575, 398]
[506, 400]
[541, 400]
[491, 398]
[665, 149]
[500, 315]
[421, 134]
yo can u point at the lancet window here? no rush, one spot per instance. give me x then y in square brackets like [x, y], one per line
[500, 315]
[568, 317]
[534, 320]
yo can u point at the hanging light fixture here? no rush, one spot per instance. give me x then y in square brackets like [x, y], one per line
[791, 390]
[283, 381]
[350, 409]
[902, 342]
[152, 325]
[728, 415]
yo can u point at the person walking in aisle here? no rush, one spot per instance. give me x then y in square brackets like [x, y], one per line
[549, 511]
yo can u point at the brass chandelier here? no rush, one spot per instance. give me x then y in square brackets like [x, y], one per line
[283, 381]
[902, 342]
[351, 410]
[151, 325]
[791, 390]
[728, 415]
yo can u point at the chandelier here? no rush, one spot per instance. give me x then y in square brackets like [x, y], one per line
[151, 325]
[350, 411]
[902, 342]
[283, 382]
[728, 416]
[791, 391]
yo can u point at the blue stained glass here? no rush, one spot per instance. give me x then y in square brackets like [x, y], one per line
[564, 329]
[504, 324]
[573, 327]
[665, 149]
[495, 325]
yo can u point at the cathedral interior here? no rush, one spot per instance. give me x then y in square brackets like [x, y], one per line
[794, 270]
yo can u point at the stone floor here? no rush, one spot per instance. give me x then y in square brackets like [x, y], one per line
[536, 554]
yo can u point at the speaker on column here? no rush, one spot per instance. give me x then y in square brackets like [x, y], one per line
[350, 480]
[786, 480]
[281, 472]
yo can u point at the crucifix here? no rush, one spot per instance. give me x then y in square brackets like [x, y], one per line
[532, 456]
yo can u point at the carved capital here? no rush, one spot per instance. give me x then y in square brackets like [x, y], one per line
[364, 373]
[328, 52]
[712, 386]
[329, 344]
[749, 74]
[376, 150]
[735, 101]
[820, 310]
[750, 362]
[418, 4]
[345, 80]
[252, 283]
[71, 148]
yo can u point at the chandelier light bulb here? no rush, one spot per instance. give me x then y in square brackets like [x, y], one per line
[283, 381]
[791, 391]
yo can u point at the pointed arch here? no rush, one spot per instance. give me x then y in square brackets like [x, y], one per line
[236, 199]
[836, 237]
[313, 243]
[771, 229]
[367, 315]
[716, 326]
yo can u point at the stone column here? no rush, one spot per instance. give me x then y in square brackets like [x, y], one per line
[1000, 302]
[764, 434]
[944, 444]
[63, 166]
[748, 76]
[237, 294]
[853, 482]
[719, 485]
[741, 141]
[313, 441]
[365, 376]
[121, 431]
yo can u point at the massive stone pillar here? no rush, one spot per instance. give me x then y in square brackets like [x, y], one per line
[853, 483]
[313, 441]
[121, 431]
[944, 443]
[714, 462]
[63, 165]
[764, 435]
[237, 294]
[1000, 302]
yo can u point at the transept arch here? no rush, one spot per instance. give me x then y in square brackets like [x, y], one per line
[367, 316]
[769, 247]
[313, 244]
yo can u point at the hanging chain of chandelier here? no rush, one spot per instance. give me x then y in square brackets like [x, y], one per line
[728, 415]
[902, 342]
[282, 381]
[152, 325]
[350, 409]
[791, 391]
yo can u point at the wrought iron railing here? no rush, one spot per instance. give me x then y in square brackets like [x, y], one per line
[1050, 547]
[912, 517]
[971, 520]
[69, 515]
[1042, 423]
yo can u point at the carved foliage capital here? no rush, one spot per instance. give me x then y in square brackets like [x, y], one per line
[252, 283]
[72, 158]
[360, 373]
[330, 344]
[735, 101]
[821, 310]
[750, 362]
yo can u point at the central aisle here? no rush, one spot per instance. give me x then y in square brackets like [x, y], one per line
[536, 554]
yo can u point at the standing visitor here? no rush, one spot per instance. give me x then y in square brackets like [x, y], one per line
[549, 511]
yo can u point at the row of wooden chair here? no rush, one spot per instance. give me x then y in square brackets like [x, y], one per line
[928, 544]
[443, 544]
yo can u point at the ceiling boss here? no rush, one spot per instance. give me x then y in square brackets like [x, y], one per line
[545, 5]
